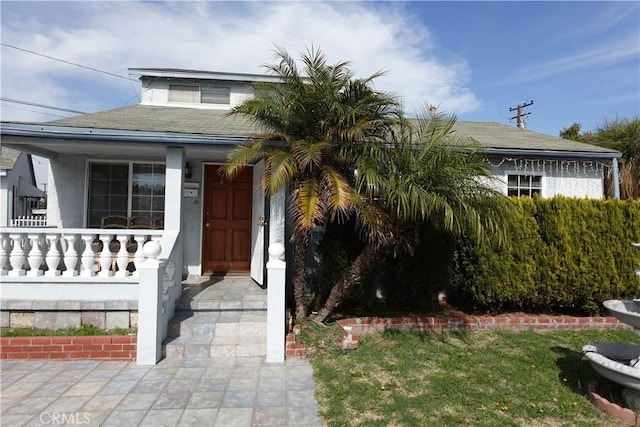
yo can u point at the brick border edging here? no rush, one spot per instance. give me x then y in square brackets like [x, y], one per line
[100, 347]
[355, 327]
[625, 415]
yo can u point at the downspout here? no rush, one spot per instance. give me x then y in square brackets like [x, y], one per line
[615, 177]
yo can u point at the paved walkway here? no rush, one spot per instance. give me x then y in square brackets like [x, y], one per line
[198, 392]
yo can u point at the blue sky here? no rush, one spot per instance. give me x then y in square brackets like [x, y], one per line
[577, 61]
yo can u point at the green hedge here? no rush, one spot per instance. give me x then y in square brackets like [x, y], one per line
[563, 255]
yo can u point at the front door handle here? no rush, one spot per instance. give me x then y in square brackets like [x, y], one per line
[261, 222]
[206, 224]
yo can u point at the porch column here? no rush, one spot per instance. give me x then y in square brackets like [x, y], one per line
[615, 178]
[276, 268]
[173, 207]
[174, 182]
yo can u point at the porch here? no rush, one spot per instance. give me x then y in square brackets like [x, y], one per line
[131, 278]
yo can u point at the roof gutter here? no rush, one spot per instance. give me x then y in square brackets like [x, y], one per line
[608, 155]
[141, 137]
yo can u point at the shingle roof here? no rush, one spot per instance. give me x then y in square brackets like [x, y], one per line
[149, 118]
[216, 122]
[9, 158]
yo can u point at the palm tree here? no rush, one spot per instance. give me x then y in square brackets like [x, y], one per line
[306, 118]
[427, 174]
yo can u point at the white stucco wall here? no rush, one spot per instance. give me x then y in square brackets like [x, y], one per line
[67, 192]
[570, 178]
[157, 93]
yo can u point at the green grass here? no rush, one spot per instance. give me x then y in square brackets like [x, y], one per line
[84, 330]
[457, 379]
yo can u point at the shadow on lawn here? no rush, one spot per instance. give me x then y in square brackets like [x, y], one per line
[575, 372]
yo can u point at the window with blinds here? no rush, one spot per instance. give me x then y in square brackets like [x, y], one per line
[192, 94]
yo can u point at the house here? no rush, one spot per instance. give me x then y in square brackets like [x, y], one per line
[19, 192]
[158, 162]
[528, 163]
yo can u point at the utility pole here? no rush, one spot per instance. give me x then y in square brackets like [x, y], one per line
[519, 115]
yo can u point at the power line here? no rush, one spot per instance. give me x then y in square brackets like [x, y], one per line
[68, 62]
[33, 104]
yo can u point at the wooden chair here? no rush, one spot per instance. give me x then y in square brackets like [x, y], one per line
[114, 221]
[141, 221]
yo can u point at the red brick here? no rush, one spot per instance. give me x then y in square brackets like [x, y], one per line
[12, 349]
[101, 340]
[92, 347]
[73, 347]
[51, 348]
[119, 354]
[38, 355]
[16, 355]
[82, 340]
[129, 347]
[41, 340]
[79, 354]
[124, 339]
[99, 355]
[62, 340]
[16, 341]
[60, 355]
[33, 348]
[112, 347]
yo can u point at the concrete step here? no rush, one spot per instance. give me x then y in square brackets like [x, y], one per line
[215, 333]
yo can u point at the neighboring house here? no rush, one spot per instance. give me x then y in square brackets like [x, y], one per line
[529, 163]
[19, 192]
[159, 161]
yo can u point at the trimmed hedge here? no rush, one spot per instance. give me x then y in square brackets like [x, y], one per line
[563, 255]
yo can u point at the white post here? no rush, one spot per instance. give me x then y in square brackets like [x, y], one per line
[276, 269]
[122, 259]
[150, 307]
[53, 255]
[17, 256]
[70, 256]
[5, 245]
[87, 258]
[35, 256]
[105, 256]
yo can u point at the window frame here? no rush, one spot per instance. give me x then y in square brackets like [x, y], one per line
[200, 88]
[520, 188]
[130, 195]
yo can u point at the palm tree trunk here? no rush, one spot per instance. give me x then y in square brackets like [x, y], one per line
[371, 255]
[300, 242]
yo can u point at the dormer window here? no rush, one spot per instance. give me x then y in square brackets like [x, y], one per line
[199, 94]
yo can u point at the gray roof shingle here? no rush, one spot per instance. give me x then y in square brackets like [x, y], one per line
[148, 118]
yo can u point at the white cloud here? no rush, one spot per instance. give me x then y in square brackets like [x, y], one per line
[235, 37]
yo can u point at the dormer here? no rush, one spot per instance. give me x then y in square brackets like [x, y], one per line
[214, 90]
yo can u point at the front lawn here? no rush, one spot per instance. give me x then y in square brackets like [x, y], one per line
[472, 379]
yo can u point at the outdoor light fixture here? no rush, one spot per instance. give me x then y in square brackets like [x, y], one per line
[188, 173]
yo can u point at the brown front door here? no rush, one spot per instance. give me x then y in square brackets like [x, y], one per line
[226, 233]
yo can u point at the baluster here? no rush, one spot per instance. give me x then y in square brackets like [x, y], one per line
[53, 255]
[70, 256]
[5, 247]
[138, 258]
[88, 257]
[35, 256]
[105, 257]
[123, 256]
[17, 257]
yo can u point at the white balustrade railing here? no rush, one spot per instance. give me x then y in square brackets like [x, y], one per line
[29, 221]
[73, 252]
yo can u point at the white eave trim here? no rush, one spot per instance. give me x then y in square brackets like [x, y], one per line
[608, 155]
[115, 135]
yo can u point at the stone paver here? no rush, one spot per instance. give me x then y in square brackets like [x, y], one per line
[183, 392]
[228, 390]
